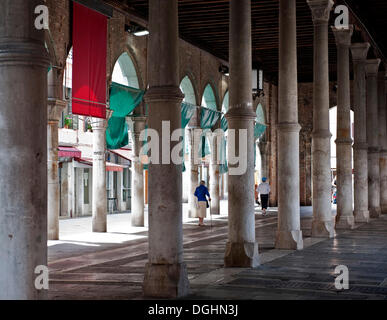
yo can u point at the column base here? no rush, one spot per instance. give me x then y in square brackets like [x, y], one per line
[346, 222]
[241, 254]
[362, 216]
[53, 235]
[166, 280]
[375, 212]
[383, 209]
[99, 227]
[137, 221]
[323, 229]
[289, 240]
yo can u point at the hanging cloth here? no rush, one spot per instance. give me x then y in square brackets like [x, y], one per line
[208, 119]
[123, 100]
[259, 129]
[187, 112]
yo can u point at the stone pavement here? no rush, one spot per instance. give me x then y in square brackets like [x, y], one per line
[111, 266]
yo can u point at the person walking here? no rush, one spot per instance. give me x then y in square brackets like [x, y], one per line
[263, 190]
[202, 193]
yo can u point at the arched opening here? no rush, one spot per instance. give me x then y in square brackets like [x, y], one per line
[225, 103]
[187, 88]
[260, 166]
[124, 72]
[208, 99]
[119, 184]
[223, 176]
[333, 130]
[189, 97]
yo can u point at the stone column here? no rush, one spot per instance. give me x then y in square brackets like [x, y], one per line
[193, 169]
[137, 215]
[323, 223]
[241, 248]
[99, 202]
[221, 187]
[214, 174]
[23, 152]
[344, 218]
[382, 140]
[289, 234]
[262, 147]
[371, 68]
[55, 108]
[359, 55]
[165, 273]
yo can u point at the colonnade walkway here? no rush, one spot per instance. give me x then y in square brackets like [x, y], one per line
[85, 265]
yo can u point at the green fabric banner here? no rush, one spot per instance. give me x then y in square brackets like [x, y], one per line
[208, 119]
[117, 133]
[187, 112]
[123, 100]
[224, 124]
[259, 129]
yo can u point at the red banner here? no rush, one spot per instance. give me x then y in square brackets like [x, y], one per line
[89, 62]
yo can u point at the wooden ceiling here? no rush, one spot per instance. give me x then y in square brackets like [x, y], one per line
[205, 23]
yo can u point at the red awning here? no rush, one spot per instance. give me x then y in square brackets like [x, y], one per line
[69, 152]
[109, 165]
[124, 153]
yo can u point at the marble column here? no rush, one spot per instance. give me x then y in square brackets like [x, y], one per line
[99, 201]
[221, 187]
[166, 272]
[192, 166]
[344, 217]
[263, 150]
[323, 223]
[382, 140]
[371, 69]
[137, 211]
[359, 55]
[23, 153]
[289, 234]
[214, 174]
[55, 108]
[241, 247]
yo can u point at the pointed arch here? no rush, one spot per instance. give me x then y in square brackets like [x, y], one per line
[124, 71]
[260, 114]
[209, 98]
[188, 89]
[225, 103]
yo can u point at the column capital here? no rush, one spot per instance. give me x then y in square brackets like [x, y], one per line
[54, 109]
[99, 123]
[372, 67]
[343, 36]
[344, 141]
[288, 127]
[359, 51]
[164, 93]
[320, 10]
[242, 112]
[373, 149]
[382, 75]
[138, 124]
[360, 146]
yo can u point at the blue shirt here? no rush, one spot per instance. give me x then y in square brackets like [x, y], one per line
[201, 193]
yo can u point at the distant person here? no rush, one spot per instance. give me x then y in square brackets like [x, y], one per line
[202, 193]
[263, 190]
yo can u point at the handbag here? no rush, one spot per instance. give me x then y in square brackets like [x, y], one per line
[207, 205]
